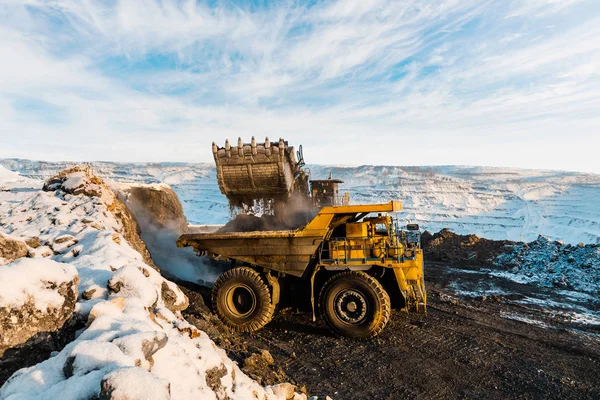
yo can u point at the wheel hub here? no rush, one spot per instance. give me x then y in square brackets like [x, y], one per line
[241, 300]
[351, 306]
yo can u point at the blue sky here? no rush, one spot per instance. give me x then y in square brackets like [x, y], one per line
[412, 82]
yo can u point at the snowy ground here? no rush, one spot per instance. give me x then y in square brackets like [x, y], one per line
[122, 303]
[495, 203]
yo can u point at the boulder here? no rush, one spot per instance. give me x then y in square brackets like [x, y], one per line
[36, 296]
[129, 282]
[173, 298]
[11, 249]
[284, 391]
[261, 367]
[37, 301]
[156, 206]
[77, 180]
[33, 242]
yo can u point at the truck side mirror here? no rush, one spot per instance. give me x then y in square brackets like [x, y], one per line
[412, 227]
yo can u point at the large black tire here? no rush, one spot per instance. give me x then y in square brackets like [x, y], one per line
[354, 304]
[242, 300]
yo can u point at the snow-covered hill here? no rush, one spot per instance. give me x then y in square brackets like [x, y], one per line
[132, 341]
[496, 203]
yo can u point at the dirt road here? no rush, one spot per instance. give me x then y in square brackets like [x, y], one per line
[492, 347]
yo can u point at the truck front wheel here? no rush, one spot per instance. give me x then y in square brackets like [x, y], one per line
[354, 304]
[242, 300]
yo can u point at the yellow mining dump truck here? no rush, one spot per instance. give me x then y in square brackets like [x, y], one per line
[353, 260]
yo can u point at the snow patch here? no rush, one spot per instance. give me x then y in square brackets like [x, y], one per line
[36, 279]
[521, 318]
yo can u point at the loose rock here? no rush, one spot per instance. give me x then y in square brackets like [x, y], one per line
[11, 249]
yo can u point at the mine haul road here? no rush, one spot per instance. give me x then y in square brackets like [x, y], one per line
[493, 347]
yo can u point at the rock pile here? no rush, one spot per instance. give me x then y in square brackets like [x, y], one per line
[555, 264]
[547, 262]
[463, 249]
[132, 340]
[81, 180]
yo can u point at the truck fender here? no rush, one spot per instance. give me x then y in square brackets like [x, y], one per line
[275, 288]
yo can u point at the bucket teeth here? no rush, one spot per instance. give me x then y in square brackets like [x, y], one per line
[255, 170]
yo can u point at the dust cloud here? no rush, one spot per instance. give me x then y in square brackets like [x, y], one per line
[161, 220]
[287, 214]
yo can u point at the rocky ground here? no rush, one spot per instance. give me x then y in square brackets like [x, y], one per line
[545, 262]
[488, 346]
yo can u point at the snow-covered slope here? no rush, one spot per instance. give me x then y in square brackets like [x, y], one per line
[134, 343]
[496, 203]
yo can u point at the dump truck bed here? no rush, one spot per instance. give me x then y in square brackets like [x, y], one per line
[284, 251]
[289, 251]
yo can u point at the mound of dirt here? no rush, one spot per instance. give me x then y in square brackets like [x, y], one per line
[463, 249]
[249, 223]
[549, 263]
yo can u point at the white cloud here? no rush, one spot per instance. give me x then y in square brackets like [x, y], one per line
[538, 8]
[444, 82]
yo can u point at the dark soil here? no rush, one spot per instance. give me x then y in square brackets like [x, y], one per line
[471, 348]
[448, 246]
[252, 223]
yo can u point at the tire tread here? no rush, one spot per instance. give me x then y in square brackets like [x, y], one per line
[382, 295]
[266, 313]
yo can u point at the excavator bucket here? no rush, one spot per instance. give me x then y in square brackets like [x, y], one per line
[252, 172]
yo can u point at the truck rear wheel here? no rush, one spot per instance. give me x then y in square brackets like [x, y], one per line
[354, 304]
[242, 300]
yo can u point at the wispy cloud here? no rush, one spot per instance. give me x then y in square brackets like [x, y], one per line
[411, 82]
